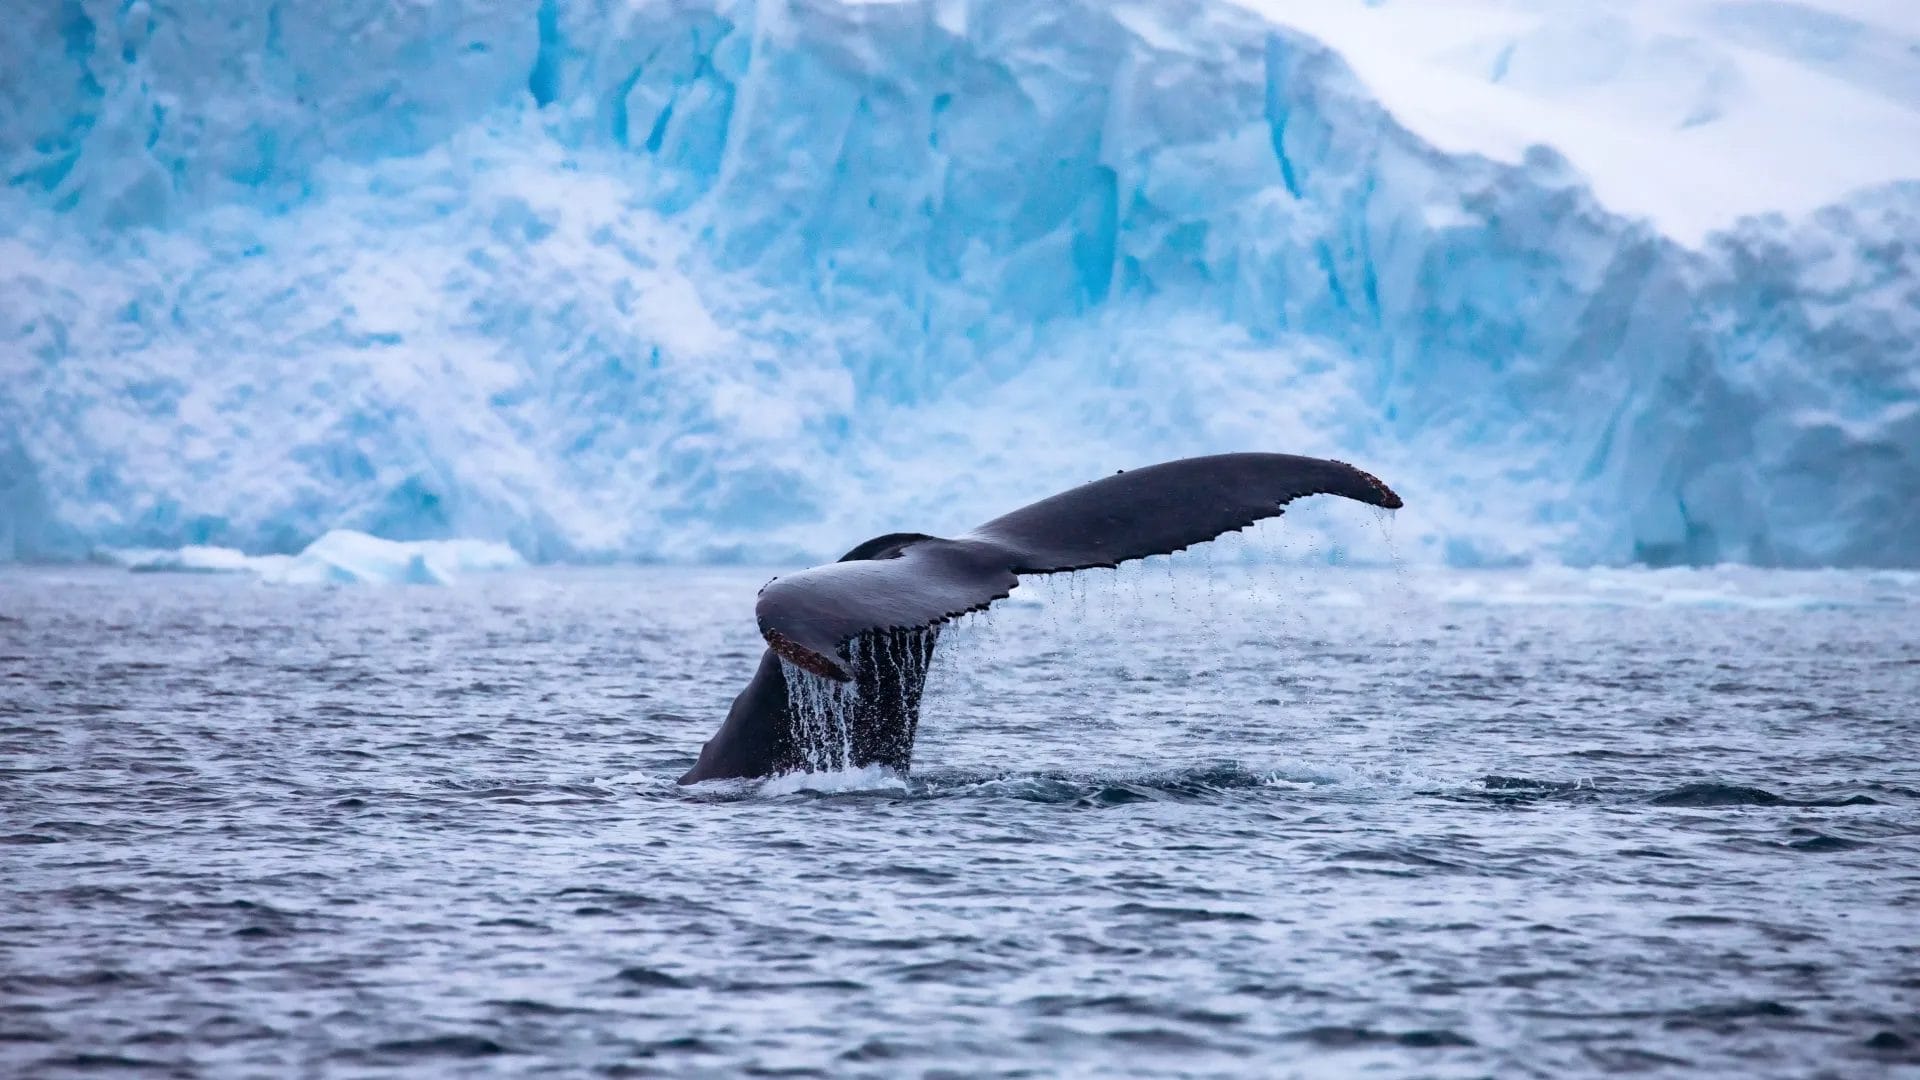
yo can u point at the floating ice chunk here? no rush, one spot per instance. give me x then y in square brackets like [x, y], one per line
[345, 556]
[342, 556]
[194, 559]
[1729, 587]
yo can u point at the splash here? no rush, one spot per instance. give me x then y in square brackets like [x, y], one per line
[867, 779]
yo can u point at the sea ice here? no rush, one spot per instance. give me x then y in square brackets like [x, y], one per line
[342, 556]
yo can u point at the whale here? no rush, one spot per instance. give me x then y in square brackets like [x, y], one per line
[849, 643]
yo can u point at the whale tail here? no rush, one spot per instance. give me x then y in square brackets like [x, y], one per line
[909, 581]
[873, 618]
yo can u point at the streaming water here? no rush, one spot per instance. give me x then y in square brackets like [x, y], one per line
[825, 712]
[821, 710]
[1261, 820]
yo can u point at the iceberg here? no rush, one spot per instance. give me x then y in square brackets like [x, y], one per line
[347, 557]
[718, 280]
[341, 557]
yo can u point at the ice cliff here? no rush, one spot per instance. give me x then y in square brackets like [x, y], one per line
[704, 279]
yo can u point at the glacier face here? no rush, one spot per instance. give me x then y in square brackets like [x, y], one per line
[705, 279]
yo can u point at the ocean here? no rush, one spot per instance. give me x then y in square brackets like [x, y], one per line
[1190, 818]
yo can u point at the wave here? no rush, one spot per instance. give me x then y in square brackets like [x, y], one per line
[1232, 781]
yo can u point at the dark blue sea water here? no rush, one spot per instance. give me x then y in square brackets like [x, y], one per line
[1192, 821]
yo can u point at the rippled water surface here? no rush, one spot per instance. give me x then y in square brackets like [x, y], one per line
[1174, 821]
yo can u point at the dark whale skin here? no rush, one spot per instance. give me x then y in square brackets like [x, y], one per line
[891, 593]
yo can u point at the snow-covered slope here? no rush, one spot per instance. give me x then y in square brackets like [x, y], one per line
[1693, 113]
[697, 278]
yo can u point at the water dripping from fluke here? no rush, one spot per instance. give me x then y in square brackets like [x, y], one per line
[869, 720]
[820, 712]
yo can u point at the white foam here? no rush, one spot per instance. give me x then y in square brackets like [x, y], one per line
[868, 778]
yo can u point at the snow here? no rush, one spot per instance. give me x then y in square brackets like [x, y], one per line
[728, 280]
[1692, 113]
[341, 557]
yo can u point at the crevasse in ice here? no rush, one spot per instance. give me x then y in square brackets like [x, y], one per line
[709, 279]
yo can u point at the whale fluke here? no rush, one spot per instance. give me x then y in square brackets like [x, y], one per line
[911, 581]
[894, 591]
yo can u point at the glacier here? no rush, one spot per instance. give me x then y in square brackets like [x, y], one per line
[731, 280]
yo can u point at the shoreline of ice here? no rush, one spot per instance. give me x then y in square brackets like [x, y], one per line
[340, 557]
